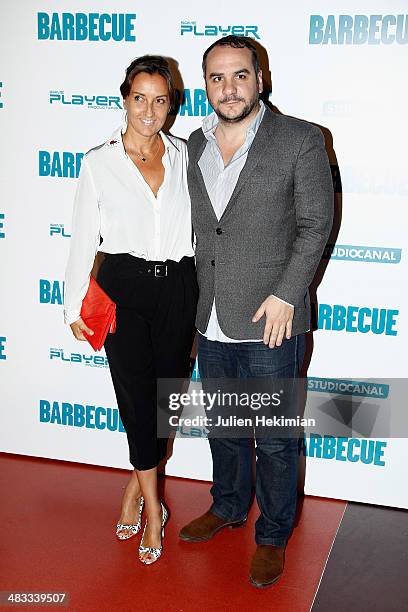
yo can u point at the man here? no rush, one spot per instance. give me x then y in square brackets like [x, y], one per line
[262, 206]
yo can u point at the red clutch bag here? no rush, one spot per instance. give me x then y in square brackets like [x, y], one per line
[98, 312]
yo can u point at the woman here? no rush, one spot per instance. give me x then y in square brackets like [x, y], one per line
[132, 204]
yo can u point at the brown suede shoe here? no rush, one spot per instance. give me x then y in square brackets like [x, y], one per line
[267, 565]
[205, 527]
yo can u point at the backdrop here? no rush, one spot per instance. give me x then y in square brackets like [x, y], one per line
[62, 63]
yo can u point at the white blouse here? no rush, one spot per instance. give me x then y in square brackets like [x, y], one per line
[115, 204]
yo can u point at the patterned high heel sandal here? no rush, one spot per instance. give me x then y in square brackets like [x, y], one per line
[155, 552]
[132, 529]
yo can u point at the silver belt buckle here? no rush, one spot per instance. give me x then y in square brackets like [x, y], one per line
[157, 270]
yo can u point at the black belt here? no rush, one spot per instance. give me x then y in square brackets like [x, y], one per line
[158, 270]
[143, 267]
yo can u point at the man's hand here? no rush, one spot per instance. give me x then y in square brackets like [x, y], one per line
[279, 317]
[78, 327]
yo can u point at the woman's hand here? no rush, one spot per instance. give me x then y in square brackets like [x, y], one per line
[78, 327]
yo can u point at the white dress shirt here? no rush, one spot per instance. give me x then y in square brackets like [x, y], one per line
[220, 183]
[115, 211]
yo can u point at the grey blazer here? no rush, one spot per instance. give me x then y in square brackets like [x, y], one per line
[273, 231]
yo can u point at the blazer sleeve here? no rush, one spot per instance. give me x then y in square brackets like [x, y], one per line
[314, 203]
[84, 244]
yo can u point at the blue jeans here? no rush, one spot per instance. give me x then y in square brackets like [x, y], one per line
[277, 458]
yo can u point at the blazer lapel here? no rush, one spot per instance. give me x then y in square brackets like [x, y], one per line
[200, 178]
[260, 143]
[256, 151]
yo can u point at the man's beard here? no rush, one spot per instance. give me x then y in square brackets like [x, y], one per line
[247, 110]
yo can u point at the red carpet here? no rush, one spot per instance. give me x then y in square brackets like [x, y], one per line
[57, 522]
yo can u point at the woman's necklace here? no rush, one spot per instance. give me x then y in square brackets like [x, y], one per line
[144, 158]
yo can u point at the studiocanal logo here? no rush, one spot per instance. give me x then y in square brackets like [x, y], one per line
[93, 361]
[366, 254]
[3, 355]
[342, 108]
[58, 229]
[51, 291]
[346, 394]
[100, 102]
[195, 29]
[362, 319]
[2, 232]
[358, 29]
[63, 164]
[80, 415]
[374, 180]
[341, 386]
[104, 27]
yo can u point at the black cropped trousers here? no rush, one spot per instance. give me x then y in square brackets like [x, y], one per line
[155, 330]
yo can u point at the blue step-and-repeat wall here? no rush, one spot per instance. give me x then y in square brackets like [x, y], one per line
[62, 63]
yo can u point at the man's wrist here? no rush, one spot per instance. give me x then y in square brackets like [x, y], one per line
[280, 299]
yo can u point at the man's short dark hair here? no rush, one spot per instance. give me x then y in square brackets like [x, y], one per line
[152, 64]
[237, 42]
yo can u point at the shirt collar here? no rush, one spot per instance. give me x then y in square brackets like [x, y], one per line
[211, 122]
[116, 140]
